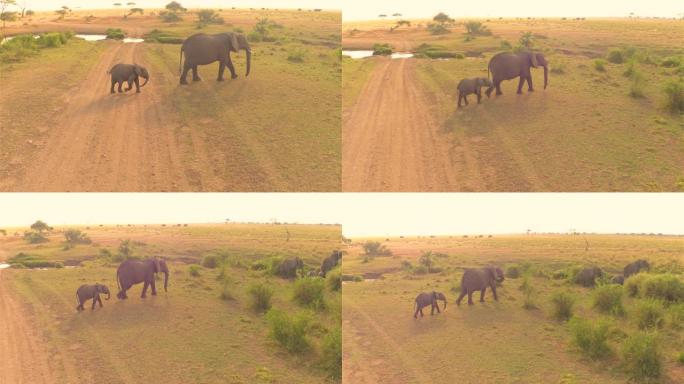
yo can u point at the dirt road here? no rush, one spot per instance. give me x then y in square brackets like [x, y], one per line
[390, 140]
[120, 142]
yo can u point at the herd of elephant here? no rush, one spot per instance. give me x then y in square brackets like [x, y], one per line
[199, 49]
[132, 272]
[504, 66]
[475, 280]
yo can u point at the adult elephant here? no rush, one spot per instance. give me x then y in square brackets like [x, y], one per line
[330, 262]
[478, 280]
[288, 267]
[132, 272]
[587, 277]
[636, 267]
[428, 298]
[507, 66]
[202, 49]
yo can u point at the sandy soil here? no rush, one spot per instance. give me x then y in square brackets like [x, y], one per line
[390, 140]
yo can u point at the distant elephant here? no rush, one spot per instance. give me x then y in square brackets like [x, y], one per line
[507, 66]
[202, 49]
[636, 267]
[618, 279]
[130, 74]
[331, 262]
[132, 272]
[288, 268]
[478, 280]
[87, 291]
[471, 86]
[587, 276]
[428, 298]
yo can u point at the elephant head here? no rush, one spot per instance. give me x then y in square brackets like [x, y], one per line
[235, 42]
[541, 60]
[142, 72]
[159, 265]
[496, 274]
[103, 289]
[483, 82]
[439, 296]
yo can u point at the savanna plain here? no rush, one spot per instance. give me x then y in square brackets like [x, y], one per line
[234, 311]
[61, 130]
[562, 315]
[609, 120]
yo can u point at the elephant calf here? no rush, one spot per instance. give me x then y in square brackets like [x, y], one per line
[130, 74]
[86, 292]
[428, 298]
[471, 86]
[288, 267]
[478, 280]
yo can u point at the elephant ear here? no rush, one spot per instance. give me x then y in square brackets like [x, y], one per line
[234, 44]
[138, 70]
[533, 60]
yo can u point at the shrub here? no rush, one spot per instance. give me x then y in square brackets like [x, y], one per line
[261, 295]
[115, 33]
[208, 16]
[641, 356]
[437, 29]
[506, 45]
[169, 17]
[331, 355]
[211, 260]
[194, 270]
[562, 305]
[310, 292]
[633, 283]
[631, 69]
[163, 37]
[33, 237]
[636, 89]
[600, 65]
[374, 248]
[667, 287]
[674, 92]
[608, 299]
[591, 337]
[477, 28]
[226, 294]
[513, 272]
[671, 62]
[436, 52]
[296, 56]
[528, 293]
[23, 260]
[51, 40]
[616, 56]
[680, 358]
[419, 270]
[382, 49]
[675, 316]
[74, 236]
[649, 313]
[334, 280]
[289, 331]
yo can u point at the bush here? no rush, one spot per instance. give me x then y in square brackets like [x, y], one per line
[633, 283]
[261, 295]
[33, 237]
[163, 37]
[631, 69]
[419, 270]
[208, 16]
[591, 337]
[74, 236]
[310, 292]
[296, 56]
[289, 332]
[674, 92]
[211, 260]
[680, 358]
[665, 287]
[374, 248]
[194, 270]
[636, 89]
[169, 17]
[436, 52]
[331, 355]
[616, 56]
[23, 260]
[641, 356]
[334, 280]
[115, 33]
[226, 294]
[382, 49]
[675, 316]
[477, 28]
[513, 272]
[648, 314]
[671, 62]
[600, 65]
[562, 305]
[437, 29]
[608, 299]
[528, 293]
[52, 40]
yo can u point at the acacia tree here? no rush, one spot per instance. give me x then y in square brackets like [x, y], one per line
[40, 226]
[6, 15]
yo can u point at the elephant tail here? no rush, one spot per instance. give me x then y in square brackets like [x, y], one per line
[118, 280]
[180, 61]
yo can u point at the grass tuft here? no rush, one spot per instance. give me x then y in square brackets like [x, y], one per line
[641, 355]
[310, 292]
[562, 301]
[289, 331]
[261, 294]
[607, 298]
[590, 336]
[649, 314]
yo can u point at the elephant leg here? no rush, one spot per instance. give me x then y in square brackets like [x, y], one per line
[498, 89]
[529, 83]
[479, 96]
[154, 288]
[489, 90]
[459, 100]
[94, 302]
[415, 315]
[465, 98]
[231, 68]
[195, 76]
[421, 311]
[137, 85]
[482, 293]
[130, 81]
[99, 300]
[496, 298]
[144, 291]
[520, 85]
[222, 68]
[111, 90]
[183, 79]
[436, 306]
[460, 297]
[120, 84]
[470, 297]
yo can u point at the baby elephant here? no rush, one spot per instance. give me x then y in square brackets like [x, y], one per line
[428, 298]
[478, 280]
[86, 292]
[130, 74]
[470, 86]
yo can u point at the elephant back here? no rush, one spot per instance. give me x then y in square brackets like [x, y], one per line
[474, 279]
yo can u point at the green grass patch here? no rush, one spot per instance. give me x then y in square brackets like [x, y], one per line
[310, 292]
[115, 33]
[563, 302]
[382, 49]
[591, 337]
[24, 260]
[607, 298]
[642, 356]
[436, 52]
[649, 314]
[289, 331]
[260, 294]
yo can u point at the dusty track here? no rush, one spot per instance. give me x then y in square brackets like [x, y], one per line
[22, 356]
[390, 140]
[103, 142]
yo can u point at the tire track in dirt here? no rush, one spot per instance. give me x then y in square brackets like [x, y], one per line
[23, 360]
[103, 142]
[391, 141]
[379, 334]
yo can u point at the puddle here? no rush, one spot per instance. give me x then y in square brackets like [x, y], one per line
[402, 55]
[358, 54]
[92, 37]
[133, 40]
[4, 266]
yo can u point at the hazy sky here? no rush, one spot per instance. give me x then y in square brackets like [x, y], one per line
[365, 9]
[370, 214]
[92, 4]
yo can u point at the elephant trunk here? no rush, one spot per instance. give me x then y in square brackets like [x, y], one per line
[146, 80]
[248, 51]
[166, 280]
[444, 304]
[546, 76]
